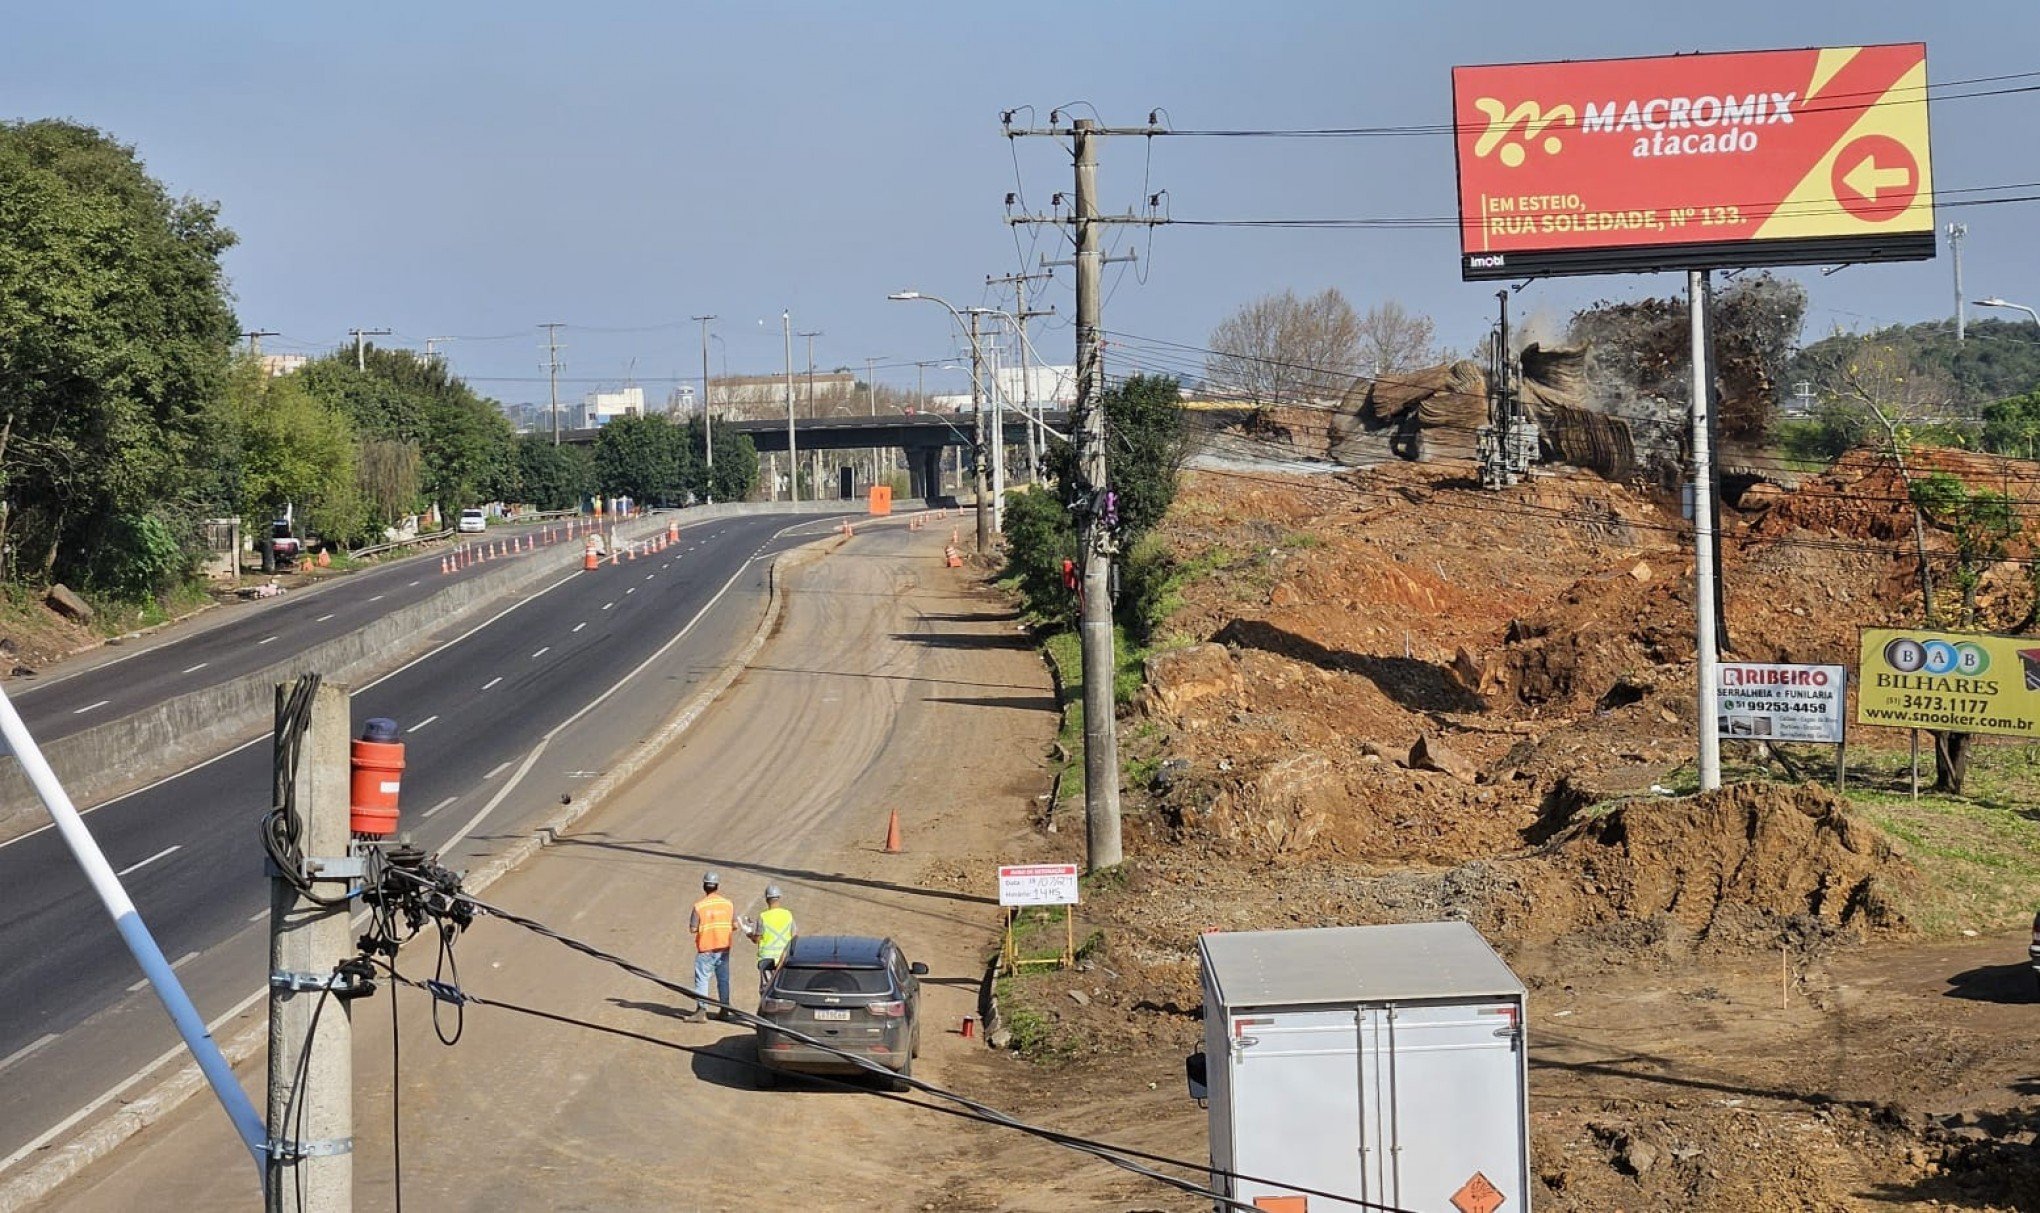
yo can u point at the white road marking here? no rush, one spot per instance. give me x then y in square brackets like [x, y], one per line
[136, 867]
[88, 707]
[378, 598]
[413, 583]
[258, 916]
[26, 1049]
[322, 618]
[442, 804]
[502, 767]
[265, 640]
[183, 960]
[631, 590]
[195, 669]
[580, 625]
[607, 605]
[649, 576]
[542, 652]
[492, 682]
[421, 724]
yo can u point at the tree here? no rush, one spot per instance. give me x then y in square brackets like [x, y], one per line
[643, 458]
[466, 448]
[1280, 349]
[553, 477]
[735, 472]
[1393, 338]
[115, 334]
[2012, 426]
[389, 478]
[293, 450]
[1999, 359]
[1983, 523]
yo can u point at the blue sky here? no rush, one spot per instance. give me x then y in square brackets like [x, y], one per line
[477, 169]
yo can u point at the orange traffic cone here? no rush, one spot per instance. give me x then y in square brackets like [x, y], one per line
[892, 834]
[590, 561]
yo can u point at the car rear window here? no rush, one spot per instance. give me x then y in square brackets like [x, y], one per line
[795, 979]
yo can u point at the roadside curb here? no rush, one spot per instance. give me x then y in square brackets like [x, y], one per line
[166, 1096]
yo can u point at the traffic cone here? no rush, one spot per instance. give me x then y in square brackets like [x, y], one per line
[892, 834]
[590, 561]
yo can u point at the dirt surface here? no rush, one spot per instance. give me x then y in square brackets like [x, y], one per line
[1394, 697]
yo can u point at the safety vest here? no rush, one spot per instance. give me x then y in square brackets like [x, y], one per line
[714, 919]
[775, 932]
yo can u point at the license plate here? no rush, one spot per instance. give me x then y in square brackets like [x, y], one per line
[825, 1015]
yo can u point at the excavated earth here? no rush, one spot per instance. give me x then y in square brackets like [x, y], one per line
[1395, 697]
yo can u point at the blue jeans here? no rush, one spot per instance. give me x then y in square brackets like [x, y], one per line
[716, 966]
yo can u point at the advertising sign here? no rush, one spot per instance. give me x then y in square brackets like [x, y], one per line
[1038, 884]
[1961, 681]
[1694, 161]
[1768, 702]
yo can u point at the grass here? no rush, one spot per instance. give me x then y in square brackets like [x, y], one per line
[1039, 934]
[1065, 653]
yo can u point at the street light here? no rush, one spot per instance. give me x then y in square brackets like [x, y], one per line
[1996, 302]
[977, 361]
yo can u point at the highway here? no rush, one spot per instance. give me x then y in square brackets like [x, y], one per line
[499, 723]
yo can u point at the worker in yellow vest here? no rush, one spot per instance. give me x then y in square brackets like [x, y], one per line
[773, 933]
[713, 921]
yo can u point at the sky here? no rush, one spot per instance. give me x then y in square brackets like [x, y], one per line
[474, 170]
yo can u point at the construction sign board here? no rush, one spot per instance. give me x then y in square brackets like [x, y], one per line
[1959, 681]
[1038, 884]
[1759, 701]
[1791, 157]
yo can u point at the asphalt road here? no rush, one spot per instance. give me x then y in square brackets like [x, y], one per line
[482, 719]
[236, 640]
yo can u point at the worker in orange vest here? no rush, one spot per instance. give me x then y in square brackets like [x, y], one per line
[713, 921]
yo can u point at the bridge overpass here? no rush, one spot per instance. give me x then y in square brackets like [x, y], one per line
[923, 436]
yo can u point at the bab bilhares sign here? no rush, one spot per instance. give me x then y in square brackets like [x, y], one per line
[1685, 162]
[1758, 701]
[1962, 682]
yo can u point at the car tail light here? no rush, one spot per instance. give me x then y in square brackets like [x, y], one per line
[887, 1010]
[775, 1006]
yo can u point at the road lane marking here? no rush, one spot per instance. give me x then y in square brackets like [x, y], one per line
[88, 707]
[183, 960]
[378, 598]
[323, 618]
[26, 1049]
[258, 916]
[649, 576]
[542, 652]
[492, 682]
[265, 640]
[631, 590]
[412, 583]
[136, 867]
[421, 724]
[195, 669]
[607, 605]
[442, 804]
[580, 625]
[500, 768]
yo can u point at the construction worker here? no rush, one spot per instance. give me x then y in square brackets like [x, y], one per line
[773, 933]
[713, 921]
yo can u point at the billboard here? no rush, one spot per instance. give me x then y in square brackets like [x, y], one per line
[1908, 678]
[1693, 162]
[1762, 701]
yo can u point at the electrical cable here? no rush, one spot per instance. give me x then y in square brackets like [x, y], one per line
[282, 828]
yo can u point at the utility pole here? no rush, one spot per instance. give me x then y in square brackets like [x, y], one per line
[810, 335]
[361, 348]
[792, 455]
[552, 373]
[1703, 537]
[997, 433]
[429, 343]
[871, 390]
[255, 340]
[1098, 511]
[1956, 231]
[707, 419]
[977, 453]
[1027, 402]
[311, 1047]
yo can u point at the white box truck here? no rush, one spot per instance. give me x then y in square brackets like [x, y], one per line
[1387, 1065]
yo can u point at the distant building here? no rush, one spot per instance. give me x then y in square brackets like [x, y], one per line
[1045, 385]
[600, 408]
[759, 397]
[283, 364]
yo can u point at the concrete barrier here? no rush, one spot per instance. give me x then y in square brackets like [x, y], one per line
[121, 755]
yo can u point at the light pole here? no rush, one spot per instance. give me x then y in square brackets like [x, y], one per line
[998, 430]
[707, 421]
[1994, 301]
[871, 390]
[977, 362]
[792, 456]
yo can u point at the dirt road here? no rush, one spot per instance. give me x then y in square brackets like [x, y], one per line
[889, 684]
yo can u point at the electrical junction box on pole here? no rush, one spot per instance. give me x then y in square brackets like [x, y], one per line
[1386, 1064]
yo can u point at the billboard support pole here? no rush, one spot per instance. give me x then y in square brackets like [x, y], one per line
[1703, 539]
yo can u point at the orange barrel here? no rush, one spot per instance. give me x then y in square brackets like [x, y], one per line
[378, 767]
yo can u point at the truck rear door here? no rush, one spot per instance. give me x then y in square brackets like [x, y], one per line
[1443, 1105]
[1295, 1107]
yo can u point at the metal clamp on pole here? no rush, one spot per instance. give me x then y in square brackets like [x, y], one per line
[284, 1151]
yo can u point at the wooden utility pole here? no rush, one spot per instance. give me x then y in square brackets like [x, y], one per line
[311, 1045]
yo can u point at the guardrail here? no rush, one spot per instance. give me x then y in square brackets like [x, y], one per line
[372, 550]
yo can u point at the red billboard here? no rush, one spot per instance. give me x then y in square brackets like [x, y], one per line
[1694, 161]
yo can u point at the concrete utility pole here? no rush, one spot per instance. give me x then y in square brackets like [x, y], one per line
[977, 453]
[1028, 404]
[311, 1046]
[810, 335]
[1703, 537]
[792, 455]
[1096, 519]
[255, 340]
[552, 372]
[707, 418]
[432, 341]
[361, 347]
[1956, 231]
[871, 390]
[995, 447]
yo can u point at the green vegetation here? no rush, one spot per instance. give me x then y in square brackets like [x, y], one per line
[1999, 359]
[1979, 853]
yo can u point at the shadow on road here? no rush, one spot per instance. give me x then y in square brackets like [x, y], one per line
[650, 848]
[2012, 983]
[1025, 703]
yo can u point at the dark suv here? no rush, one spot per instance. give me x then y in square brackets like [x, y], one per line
[851, 992]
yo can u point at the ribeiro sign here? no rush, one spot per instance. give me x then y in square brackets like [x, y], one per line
[1694, 161]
